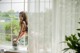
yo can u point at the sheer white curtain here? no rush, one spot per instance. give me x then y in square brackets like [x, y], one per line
[49, 22]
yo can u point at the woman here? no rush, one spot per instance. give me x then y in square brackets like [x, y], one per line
[23, 25]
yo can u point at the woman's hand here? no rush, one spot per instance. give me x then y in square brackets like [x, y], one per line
[15, 40]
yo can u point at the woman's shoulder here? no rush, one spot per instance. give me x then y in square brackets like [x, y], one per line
[24, 23]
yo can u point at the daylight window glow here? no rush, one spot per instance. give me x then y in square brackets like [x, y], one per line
[2, 20]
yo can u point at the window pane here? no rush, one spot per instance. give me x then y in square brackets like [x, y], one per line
[26, 6]
[45, 1]
[48, 5]
[17, 0]
[5, 0]
[2, 39]
[31, 0]
[42, 7]
[42, 0]
[2, 30]
[26, 0]
[5, 27]
[32, 7]
[5, 7]
[17, 7]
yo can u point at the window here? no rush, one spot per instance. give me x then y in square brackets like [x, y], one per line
[9, 20]
[9, 12]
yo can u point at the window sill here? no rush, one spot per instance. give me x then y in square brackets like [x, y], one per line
[9, 49]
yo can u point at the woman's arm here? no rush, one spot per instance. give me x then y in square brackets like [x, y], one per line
[22, 30]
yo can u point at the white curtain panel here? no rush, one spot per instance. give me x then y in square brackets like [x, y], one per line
[49, 22]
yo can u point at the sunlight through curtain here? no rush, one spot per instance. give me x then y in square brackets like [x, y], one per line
[49, 22]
